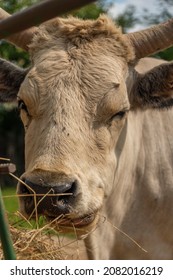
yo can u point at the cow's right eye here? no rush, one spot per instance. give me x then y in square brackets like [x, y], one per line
[22, 106]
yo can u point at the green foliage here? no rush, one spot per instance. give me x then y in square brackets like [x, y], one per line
[13, 54]
[11, 206]
[127, 19]
[91, 11]
[166, 55]
[12, 6]
[8, 51]
[162, 13]
[18, 56]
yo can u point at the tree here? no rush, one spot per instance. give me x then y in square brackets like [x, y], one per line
[8, 51]
[20, 57]
[127, 19]
[91, 11]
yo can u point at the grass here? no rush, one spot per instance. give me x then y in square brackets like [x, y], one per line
[11, 206]
[10, 199]
[31, 239]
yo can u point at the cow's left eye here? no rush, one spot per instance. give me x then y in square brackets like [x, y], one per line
[22, 106]
[118, 116]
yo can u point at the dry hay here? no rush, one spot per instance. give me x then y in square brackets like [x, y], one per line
[33, 241]
[47, 242]
[33, 244]
[44, 244]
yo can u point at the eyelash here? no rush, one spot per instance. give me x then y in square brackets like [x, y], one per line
[22, 106]
[119, 116]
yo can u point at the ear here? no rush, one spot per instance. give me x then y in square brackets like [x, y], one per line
[11, 78]
[154, 89]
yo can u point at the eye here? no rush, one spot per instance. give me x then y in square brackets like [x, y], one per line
[118, 116]
[22, 106]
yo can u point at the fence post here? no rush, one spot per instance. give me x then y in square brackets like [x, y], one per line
[7, 243]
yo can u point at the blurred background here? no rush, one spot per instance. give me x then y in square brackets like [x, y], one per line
[132, 15]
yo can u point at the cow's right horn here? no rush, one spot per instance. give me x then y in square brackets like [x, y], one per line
[21, 39]
[152, 40]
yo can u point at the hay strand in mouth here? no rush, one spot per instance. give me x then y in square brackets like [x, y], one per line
[34, 195]
[125, 234]
[6, 159]
[43, 243]
[32, 242]
[38, 195]
[56, 220]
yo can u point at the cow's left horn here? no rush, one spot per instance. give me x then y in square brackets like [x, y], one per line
[152, 40]
[21, 39]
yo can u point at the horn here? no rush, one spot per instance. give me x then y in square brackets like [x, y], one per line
[36, 14]
[152, 40]
[21, 39]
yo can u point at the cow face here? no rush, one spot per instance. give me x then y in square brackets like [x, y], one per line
[74, 103]
[73, 106]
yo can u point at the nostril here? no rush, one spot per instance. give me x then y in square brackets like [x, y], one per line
[62, 188]
[67, 192]
[49, 199]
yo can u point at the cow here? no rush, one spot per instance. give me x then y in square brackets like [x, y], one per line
[98, 118]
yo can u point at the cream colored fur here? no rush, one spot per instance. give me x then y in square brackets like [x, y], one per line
[77, 83]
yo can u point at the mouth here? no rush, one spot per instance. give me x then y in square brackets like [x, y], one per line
[80, 226]
[78, 222]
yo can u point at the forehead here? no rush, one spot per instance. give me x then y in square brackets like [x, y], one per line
[75, 33]
[71, 54]
[79, 44]
[95, 65]
[62, 76]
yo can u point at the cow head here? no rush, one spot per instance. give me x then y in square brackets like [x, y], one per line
[74, 103]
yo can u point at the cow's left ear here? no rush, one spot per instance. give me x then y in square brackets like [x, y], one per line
[11, 78]
[154, 89]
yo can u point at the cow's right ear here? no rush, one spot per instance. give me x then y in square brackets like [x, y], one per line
[154, 89]
[11, 77]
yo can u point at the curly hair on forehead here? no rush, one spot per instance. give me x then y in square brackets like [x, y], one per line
[64, 31]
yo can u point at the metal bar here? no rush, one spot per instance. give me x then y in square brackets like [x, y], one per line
[21, 39]
[5, 237]
[6, 168]
[38, 14]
